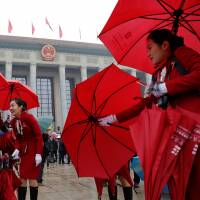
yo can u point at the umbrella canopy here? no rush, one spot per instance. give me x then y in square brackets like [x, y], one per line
[98, 151]
[15, 89]
[162, 136]
[45, 122]
[126, 30]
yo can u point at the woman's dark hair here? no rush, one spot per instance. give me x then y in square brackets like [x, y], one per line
[161, 35]
[21, 103]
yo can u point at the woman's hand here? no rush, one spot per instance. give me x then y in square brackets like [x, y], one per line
[106, 121]
[159, 89]
[38, 159]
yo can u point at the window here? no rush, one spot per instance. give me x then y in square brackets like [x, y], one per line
[44, 89]
[22, 79]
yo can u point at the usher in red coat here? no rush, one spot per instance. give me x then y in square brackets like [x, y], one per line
[29, 143]
[185, 90]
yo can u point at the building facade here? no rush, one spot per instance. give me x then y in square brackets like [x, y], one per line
[52, 68]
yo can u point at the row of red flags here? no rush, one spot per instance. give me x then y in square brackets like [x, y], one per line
[10, 27]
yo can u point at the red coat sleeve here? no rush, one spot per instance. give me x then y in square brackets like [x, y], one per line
[190, 60]
[135, 110]
[30, 119]
[130, 112]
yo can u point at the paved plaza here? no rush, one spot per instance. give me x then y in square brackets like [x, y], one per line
[62, 183]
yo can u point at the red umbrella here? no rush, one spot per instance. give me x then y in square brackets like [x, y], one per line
[180, 176]
[9, 182]
[162, 135]
[98, 151]
[125, 32]
[15, 89]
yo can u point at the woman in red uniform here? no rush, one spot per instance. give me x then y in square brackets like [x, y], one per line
[175, 82]
[29, 147]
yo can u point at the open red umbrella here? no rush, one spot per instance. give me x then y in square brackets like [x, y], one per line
[125, 32]
[15, 89]
[98, 151]
[162, 136]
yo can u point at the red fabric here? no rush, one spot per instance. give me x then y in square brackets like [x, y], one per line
[179, 180]
[156, 145]
[128, 46]
[124, 172]
[187, 86]
[8, 184]
[7, 142]
[10, 27]
[15, 89]
[186, 176]
[91, 146]
[135, 110]
[32, 29]
[49, 25]
[29, 144]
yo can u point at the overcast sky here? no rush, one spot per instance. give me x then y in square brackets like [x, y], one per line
[80, 20]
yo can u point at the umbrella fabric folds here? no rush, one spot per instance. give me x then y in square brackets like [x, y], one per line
[125, 32]
[45, 122]
[15, 89]
[163, 136]
[98, 151]
[9, 182]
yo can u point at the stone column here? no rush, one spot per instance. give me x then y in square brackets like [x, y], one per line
[33, 69]
[8, 71]
[83, 72]
[62, 93]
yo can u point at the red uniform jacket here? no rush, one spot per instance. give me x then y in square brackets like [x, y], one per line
[29, 142]
[186, 88]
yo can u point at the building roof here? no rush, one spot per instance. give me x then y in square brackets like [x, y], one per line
[28, 43]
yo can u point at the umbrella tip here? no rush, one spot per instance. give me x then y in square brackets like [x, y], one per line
[93, 119]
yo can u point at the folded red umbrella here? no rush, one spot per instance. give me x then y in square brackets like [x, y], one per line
[98, 151]
[162, 136]
[8, 184]
[125, 32]
[180, 176]
[15, 89]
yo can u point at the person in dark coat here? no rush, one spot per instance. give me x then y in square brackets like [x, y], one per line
[29, 147]
[45, 155]
[62, 152]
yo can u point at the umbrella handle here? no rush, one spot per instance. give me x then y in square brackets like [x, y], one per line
[119, 126]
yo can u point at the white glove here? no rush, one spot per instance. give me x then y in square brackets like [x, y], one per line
[15, 154]
[159, 89]
[148, 89]
[38, 159]
[106, 121]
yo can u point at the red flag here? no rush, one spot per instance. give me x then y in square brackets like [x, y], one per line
[60, 32]
[10, 27]
[47, 22]
[33, 29]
